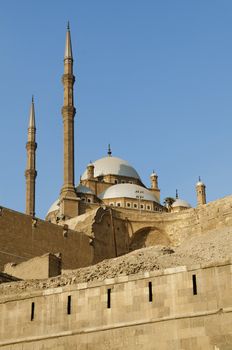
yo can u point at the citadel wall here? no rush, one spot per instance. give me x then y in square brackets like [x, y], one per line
[146, 228]
[45, 266]
[178, 308]
[22, 238]
[105, 233]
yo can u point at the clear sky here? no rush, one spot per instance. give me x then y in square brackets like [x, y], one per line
[153, 78]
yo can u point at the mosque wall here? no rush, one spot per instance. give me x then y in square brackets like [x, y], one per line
[22, 238]
[177, 308]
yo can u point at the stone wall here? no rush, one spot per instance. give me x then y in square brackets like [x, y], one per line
[5, 278]
[22, 238]
[45, 266]
[176, 308]
[174, 228]
[105, 233]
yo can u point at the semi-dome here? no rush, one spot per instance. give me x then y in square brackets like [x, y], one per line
[83, 189]
[128, 191]
[112, 166]
[80, 189]
[55, 206]
[181, 203]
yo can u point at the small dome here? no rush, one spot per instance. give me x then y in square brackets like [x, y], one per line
[55, 206]
[153, 174]
[83, 189]
[80, 189]
[112, 166]
[200, 183]
[181, 203]
[128, 191]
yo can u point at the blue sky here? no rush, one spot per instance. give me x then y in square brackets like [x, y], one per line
[153, 78]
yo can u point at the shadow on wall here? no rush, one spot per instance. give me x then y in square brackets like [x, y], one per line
[147, 237]
[110, 235]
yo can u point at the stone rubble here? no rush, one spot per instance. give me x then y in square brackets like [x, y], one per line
[212, 247]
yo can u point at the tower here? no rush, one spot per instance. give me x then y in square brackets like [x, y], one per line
[154, 185]
[68, 196]
[31, 172]
[201, 193]
[90, 171]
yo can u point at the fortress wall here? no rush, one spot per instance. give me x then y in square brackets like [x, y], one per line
[182, 225]
[22, 238]
[175, 318]
[45, 266]
[111, 235]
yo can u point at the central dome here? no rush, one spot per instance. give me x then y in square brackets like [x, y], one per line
[112, 166]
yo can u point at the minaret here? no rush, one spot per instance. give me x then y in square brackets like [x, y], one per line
[30, 172]
[154, 185]
[201, 192]
[68, 195]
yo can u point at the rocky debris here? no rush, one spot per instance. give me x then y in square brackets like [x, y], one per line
[212, 247]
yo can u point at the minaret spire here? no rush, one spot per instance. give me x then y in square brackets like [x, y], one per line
[31, 172]
[68, 193]
[32, 114]
[68, 44]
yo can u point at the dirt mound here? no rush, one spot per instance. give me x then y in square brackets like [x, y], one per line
[212, 247]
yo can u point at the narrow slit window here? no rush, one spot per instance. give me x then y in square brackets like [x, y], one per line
[108, 298]
[150, 294]
[32, 311]
[69, 305]
[194, 279]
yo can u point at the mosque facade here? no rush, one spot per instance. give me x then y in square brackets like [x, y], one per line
[109, 181]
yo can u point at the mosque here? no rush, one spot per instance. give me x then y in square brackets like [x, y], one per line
[109, 181]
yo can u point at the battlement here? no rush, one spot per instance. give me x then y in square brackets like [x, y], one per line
[180, 306]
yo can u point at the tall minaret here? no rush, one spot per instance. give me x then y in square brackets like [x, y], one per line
[31, 172]
[201, 192]
[68, 193]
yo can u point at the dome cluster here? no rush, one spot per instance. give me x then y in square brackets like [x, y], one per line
[113, 181]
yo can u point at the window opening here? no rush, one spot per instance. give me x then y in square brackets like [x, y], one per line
[69, 305]
[150, 291]
[194, 279]
[108, 298]
[32, 311]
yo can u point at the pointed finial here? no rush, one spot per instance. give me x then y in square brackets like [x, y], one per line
[109, 151]
[32, 114]
[68, 44]
[177, 196]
